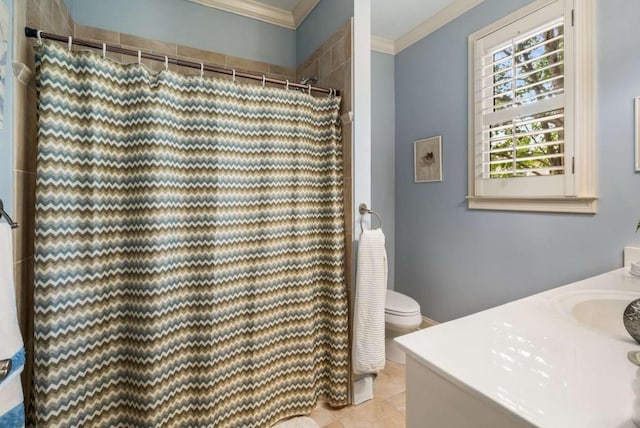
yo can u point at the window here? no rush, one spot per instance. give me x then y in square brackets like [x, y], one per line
[531, 110]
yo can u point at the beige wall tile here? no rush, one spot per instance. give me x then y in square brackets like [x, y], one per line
[337, 53]
[26, 132]
[46, 11]
[328, 44]
[24, 213]
[60, 17]
[347, 40]
[278, 69]
[347, 92]
[337, 78]
[348, 201]
[200, 55]
[348, 262]
[346, 148]
[24, 282]
[19, 126]
[18, 273]
[156, 46]
[324, 67]
[97, 34]
[33, 14]
[254, 66]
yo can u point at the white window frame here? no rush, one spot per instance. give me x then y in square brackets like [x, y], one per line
[576, 190]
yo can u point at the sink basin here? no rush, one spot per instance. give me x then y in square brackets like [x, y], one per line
[598, 310]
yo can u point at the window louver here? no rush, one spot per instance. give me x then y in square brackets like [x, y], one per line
[521, 100]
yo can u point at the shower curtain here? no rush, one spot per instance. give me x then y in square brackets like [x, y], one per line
[189, 249]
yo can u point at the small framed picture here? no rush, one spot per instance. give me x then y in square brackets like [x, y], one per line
[427, 159]
[637, 132]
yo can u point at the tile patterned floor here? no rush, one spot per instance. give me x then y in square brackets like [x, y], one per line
[385, 410]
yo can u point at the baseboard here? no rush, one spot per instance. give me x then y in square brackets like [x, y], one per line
[428, 322]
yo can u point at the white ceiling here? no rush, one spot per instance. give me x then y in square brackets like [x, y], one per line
[393, 19]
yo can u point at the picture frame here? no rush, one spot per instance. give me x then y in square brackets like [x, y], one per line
[637, 132]
[427, 160]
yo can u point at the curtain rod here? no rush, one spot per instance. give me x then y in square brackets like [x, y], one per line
[33, 33]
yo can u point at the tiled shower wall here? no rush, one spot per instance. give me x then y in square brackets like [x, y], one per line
[331, 64]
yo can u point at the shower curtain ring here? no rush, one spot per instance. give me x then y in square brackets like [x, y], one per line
[139, 57]
[104, 51]
[39, 37]
[166, 62]
[70, 42]
[287, 85]
[233, 77]
[264, 80]
[309, 88]
[201, 69]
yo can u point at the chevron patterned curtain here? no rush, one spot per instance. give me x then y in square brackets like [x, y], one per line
[189, 249]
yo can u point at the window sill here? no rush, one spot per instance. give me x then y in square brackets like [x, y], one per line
[580, 205]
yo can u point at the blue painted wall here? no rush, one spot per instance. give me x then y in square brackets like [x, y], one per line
[382, 149]
[6, 133]
[190, 24]
[455, 261]
[325, 19]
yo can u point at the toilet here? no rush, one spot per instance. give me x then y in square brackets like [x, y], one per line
[401, 316]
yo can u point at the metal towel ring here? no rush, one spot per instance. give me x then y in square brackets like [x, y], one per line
[363, 209]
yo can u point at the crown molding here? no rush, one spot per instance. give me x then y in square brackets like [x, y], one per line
[292, 19]
[252, 9]
[438, 20]
[264, 12]
[380, 44]
[302, 10]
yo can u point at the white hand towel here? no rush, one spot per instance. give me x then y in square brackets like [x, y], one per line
[371, 286]
[11, 343]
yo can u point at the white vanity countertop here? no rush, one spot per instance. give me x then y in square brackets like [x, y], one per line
[533, 358]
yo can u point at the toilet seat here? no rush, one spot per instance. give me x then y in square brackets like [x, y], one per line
[400, 305]
[401, 312]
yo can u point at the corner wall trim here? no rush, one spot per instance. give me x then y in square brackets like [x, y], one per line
[382, 45]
